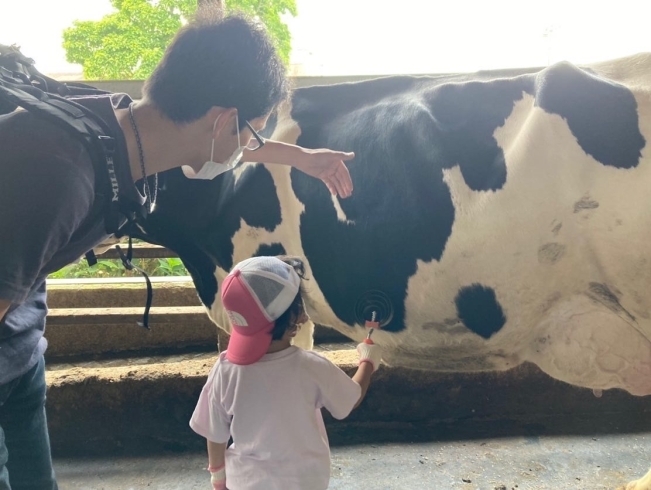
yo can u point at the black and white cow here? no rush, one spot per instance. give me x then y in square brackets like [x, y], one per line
[506, 215]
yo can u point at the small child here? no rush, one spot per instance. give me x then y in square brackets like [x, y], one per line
[266, 393]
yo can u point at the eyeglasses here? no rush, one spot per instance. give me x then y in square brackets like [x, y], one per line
[257, 142]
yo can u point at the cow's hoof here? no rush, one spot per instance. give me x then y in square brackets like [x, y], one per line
[643, 483]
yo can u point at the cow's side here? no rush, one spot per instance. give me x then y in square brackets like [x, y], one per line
[503, 214]
[506, 220]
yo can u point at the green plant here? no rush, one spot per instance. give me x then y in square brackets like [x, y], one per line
[170, 267]
[128, 43]
[114, 268]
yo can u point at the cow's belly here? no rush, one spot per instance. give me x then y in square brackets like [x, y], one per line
[578, 340]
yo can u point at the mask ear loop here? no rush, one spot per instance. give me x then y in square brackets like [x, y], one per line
[212, 147]
[237, 130]
[235, 158]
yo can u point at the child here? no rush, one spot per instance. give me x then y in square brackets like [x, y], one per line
[266, 393]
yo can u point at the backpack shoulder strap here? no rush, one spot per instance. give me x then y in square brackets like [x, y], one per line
[18, 88]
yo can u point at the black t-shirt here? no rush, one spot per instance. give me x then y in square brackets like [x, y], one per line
[47, 192]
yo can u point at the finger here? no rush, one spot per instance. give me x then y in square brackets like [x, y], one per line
[343, 176]
[342, 155]
[330, 186]
[346, 155]
[339, 185]
[343, 188]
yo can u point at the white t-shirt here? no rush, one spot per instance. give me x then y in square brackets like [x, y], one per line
[272, 410]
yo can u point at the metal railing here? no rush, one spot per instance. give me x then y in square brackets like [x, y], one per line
[134, 87]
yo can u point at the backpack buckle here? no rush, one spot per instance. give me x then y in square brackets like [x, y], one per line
[108, 143]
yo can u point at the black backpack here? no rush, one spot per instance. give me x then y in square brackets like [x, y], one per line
[22, 85]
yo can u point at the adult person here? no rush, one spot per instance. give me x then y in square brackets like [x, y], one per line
[215, 88]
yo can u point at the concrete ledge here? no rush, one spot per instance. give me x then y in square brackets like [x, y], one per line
[120, 293]
[147, 407]
[73, 332]
[118, 280]
[93, 331]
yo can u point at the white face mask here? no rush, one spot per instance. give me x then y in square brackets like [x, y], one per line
[212, 169]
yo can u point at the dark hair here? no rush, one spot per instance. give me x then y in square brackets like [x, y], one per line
[287, 319]
[217, 60]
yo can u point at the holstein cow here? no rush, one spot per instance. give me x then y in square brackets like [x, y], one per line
[505, 215]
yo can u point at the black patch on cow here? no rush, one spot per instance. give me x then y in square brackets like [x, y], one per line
[585, 203]
[466, 116]
[601, 293]
[550, 253]
[198, 219]
[479, 310]
[271, 250]
[401, 208]
[202, 271]
[557, 227]
[601, 114]
[393, 228]
[198, 263]
[256, 199]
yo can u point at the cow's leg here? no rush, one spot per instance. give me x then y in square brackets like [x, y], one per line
[643, 483]
[588, 344]
[305, 336]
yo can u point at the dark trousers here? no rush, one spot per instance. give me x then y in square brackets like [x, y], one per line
[25, 460]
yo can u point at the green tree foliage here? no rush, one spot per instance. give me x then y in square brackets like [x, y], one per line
[128, 43]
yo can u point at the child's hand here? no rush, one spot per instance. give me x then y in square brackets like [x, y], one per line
[218, 478]
[371, 353]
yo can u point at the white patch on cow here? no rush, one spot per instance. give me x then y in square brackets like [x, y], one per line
[305, 336]
[643, 483]
[536, 253]
[239, 170]
[341, 216]
[586, 344]
[247, 240]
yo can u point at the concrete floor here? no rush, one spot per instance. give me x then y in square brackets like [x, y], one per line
[586, 462]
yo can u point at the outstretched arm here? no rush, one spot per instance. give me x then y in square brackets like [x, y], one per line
[326, 165]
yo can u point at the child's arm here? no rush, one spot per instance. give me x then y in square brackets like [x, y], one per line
[370, 356]
[217, 464]
[338, 392]
[363, 378]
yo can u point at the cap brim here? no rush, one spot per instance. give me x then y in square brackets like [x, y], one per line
[247, 349]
